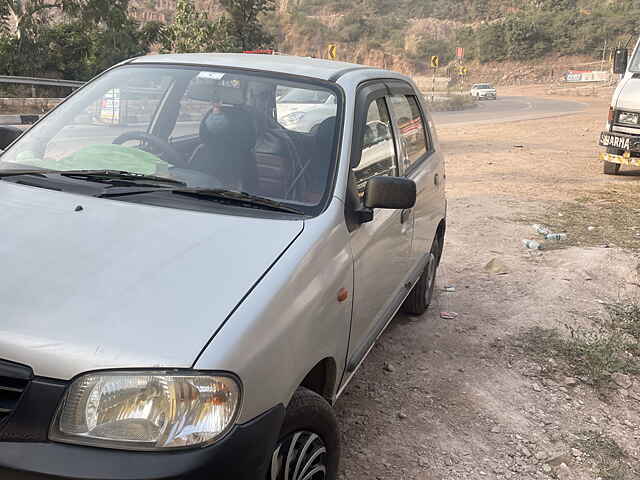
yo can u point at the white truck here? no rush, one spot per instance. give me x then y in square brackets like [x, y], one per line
[622, 135]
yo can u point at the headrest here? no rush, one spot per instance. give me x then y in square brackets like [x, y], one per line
[230, 127]
[325, 130]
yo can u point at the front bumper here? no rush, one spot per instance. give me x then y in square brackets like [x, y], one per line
[621, 148]
[624, 159]
[25, 454]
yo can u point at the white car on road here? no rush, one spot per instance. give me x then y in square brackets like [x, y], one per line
[483, 91]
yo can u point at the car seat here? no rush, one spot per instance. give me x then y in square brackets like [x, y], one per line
[226, 152]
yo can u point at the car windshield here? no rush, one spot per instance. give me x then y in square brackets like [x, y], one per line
[207, 128]
[634, 66]
[484, 86]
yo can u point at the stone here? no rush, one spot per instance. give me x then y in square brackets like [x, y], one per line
[541, 455]
[388, 367]
[622, 380]
[564, 472]
[558, 460]
[496, 267]
[570, 381]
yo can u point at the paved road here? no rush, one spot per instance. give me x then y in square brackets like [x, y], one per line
[508, 109]
[505, 109]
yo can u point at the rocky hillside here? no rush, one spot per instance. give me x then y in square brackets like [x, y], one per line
[403, 34]
[162, 10]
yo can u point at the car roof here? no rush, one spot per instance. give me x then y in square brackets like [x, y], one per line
[286, 64]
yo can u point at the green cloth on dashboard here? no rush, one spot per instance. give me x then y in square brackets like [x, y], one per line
[102, 157]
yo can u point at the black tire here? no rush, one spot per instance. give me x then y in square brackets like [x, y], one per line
[420, 297]
[611, 168]
[309, 426]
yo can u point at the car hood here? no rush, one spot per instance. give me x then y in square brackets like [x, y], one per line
[121, 285]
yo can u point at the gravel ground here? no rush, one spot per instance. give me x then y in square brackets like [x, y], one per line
[469, 398]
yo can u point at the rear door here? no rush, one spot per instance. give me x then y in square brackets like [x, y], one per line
[419, 163]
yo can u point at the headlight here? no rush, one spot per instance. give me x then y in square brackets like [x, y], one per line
[629, 118]
[146, 410]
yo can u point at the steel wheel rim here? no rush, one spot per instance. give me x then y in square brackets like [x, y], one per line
[431, 275]
[299, 456]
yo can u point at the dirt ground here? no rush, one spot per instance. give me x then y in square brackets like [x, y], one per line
[468, 398]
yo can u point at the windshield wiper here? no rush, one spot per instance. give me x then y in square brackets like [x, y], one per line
[17, 173]
[217, 194]
[110, 175]
[100, 176]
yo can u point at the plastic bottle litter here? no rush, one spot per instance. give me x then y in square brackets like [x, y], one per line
[541, 229]
[556, 237]
[532, 245]
[449, 288]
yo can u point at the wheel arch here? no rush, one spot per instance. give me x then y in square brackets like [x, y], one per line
[322, 379]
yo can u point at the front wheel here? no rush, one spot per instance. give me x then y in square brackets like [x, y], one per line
[308, 447]
[611, 168]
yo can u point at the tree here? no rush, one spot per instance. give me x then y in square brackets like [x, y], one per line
[244, 27]
[4, 17]
[87, 37]
[192, 31]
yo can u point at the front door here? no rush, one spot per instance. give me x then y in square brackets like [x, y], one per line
[381, 248]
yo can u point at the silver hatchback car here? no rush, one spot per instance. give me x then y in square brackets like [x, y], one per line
[190, 282]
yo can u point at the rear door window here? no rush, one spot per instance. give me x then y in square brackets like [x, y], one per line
[411, 128]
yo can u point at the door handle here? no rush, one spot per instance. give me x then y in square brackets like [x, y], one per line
[404, 216]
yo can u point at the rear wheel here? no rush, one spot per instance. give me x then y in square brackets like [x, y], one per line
[420, 297]
[308, 447]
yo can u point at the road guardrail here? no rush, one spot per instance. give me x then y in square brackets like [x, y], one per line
[18, 119]
[50, 82]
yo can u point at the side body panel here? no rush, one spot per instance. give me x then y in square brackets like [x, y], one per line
[292, 320]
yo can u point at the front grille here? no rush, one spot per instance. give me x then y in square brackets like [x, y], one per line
[11, 390]
[14, 379]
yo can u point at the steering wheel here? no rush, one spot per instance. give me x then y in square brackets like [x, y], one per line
[170, 154]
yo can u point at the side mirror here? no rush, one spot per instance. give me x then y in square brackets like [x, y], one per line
[620, 61]
[394, 193]
[8, 135]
